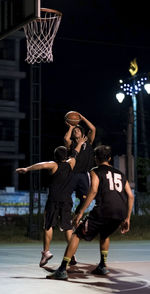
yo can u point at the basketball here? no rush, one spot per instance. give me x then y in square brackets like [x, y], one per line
[72, 118]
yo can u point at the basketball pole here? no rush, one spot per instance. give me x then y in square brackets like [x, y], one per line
[35, 148]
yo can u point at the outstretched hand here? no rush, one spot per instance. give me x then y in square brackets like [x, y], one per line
[21, 170]
[82, 140]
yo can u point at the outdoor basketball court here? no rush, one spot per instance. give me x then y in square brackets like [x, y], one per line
[129, 264]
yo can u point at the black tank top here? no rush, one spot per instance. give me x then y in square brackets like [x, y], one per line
[111, 197]
[85, 158]
[60, 185]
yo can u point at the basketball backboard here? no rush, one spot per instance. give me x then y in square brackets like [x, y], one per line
[14, 14]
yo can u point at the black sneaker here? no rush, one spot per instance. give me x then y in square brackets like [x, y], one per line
[100, 270]
[58, 275]
[73, 260]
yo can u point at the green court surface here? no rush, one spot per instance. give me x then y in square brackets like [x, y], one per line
[128, 261]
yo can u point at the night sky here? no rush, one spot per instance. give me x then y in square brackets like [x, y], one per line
[92, 50]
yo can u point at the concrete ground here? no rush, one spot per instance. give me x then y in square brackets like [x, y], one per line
[129, 264]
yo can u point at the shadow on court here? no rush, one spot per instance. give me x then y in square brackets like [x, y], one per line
[118, 280]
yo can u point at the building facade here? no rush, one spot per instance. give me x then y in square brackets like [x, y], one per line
[10, 116]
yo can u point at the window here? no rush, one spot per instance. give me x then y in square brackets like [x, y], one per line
[7, 89]
[7, 49]
[7, 130]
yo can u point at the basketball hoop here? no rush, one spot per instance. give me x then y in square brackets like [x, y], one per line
[40, 34]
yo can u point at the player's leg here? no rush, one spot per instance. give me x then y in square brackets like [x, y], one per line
[104, 247]
[102, 269]
[68, 235]
[87, 230]
[66, 224]
[50, 220]
[46, 254]
[72, 247]
[107, 227]
[48, 235]
[61, 272]
[82, 188]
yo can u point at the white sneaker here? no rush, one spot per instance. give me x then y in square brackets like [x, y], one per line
[45, 257]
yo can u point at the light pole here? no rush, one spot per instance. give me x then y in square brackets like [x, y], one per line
[132, 86]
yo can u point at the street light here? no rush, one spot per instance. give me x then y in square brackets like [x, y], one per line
[132, 86]
[147, 86]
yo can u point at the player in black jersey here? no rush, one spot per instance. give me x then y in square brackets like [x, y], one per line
[85, 160]
[113, 208]
[59, 202]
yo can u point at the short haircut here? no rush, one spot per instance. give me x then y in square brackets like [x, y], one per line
[60, 153]
[103, 153]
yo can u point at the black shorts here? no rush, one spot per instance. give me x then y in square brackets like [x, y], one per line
[91, 227]
[80, 184]
[58, 214]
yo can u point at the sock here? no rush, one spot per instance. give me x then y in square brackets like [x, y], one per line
[104, 255]
[64, 263]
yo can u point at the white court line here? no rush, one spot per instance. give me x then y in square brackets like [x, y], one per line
[147, 284]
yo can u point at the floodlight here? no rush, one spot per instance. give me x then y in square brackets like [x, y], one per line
[120, 96]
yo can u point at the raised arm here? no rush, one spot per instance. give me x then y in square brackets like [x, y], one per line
[92, 129]
[38, 166]
[67, 137]
[126, 224]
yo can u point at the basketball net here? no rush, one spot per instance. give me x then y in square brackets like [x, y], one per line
[40, 34]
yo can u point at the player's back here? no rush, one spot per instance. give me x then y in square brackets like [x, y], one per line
[111, 196]
[60, 183]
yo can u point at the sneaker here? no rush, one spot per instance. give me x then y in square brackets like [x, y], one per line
[73, 260]
[45, 257]
[58, 275]
[99, 270]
